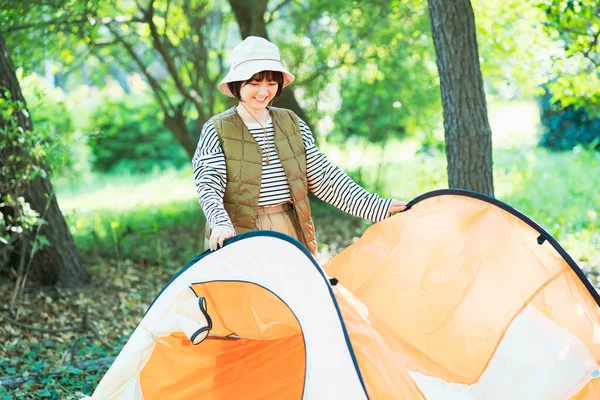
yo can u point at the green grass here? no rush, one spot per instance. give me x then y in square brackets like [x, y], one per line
[157, 218]
[560, 191]
[152, 219]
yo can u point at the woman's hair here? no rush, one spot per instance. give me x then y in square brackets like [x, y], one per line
[276, 76]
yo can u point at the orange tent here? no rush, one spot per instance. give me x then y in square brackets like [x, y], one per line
[460, 297]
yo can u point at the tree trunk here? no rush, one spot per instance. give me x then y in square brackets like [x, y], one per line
[467, 131]
[176, 124]
[288, 100]
[250, 18]
[59, 262]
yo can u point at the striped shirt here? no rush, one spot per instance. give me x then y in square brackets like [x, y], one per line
[325, 180]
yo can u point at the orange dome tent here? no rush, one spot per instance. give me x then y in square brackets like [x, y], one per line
[460, 297]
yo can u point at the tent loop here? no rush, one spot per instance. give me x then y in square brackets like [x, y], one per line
[541, 239]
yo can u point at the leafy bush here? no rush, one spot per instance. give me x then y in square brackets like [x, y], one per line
[130, 137]
[567, 127]
[67, 153]
[21, 160]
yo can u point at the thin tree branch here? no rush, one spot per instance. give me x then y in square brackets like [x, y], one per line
[44, 330]
[187, 50]
[91, 19]
[197, 19]
[120, 19]
[106, 43]
[163, 98]
[343, 61]
[324, 68]
[74, 350]
[564, 29]
[166, 17]
[141, 7]
[195, 22]
[277, 8]
[79, 21]
[87, 323]
[158, 45]
[593, 44]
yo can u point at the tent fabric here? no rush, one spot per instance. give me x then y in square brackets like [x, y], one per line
[451, 276]
[461, 297]
[270, 269]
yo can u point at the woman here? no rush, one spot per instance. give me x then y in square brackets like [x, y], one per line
[254, 163]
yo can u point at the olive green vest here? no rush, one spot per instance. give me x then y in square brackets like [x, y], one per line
[243, 157]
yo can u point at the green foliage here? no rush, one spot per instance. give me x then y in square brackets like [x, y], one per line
[576, 25]
[557, 190]
[37, 358]
[153, 219]
[131, 138]
[38, 30]
[21, 160]
[527, 46]
[67, 155]
[179, 51]
[567, 127]
[394, 92]
[164, 235]
[363, 82]
[512, 46]
[22, 149]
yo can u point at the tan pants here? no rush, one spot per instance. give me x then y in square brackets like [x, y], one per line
[279, 218]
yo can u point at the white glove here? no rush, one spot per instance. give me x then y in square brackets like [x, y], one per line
[218, 235]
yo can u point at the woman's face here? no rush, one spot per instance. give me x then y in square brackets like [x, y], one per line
[257, 95]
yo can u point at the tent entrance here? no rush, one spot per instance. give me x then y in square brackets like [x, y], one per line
[268, 360]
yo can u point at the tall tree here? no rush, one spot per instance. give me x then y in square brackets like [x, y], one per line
[178, 46]
[250, 17]
[58, 262]
[468, 134]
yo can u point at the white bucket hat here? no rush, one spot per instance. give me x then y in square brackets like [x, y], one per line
[253, 55]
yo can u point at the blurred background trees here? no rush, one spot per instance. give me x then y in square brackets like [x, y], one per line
[36, 242]
[122, 87]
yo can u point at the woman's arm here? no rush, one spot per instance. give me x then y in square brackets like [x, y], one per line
[210, 176]
[330, 184]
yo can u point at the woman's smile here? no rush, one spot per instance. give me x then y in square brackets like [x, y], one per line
[257, 94]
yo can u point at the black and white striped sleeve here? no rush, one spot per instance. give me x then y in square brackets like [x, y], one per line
[210, 176]
[330, 184]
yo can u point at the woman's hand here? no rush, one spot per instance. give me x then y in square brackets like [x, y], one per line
[218, 235]
[396, 207]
